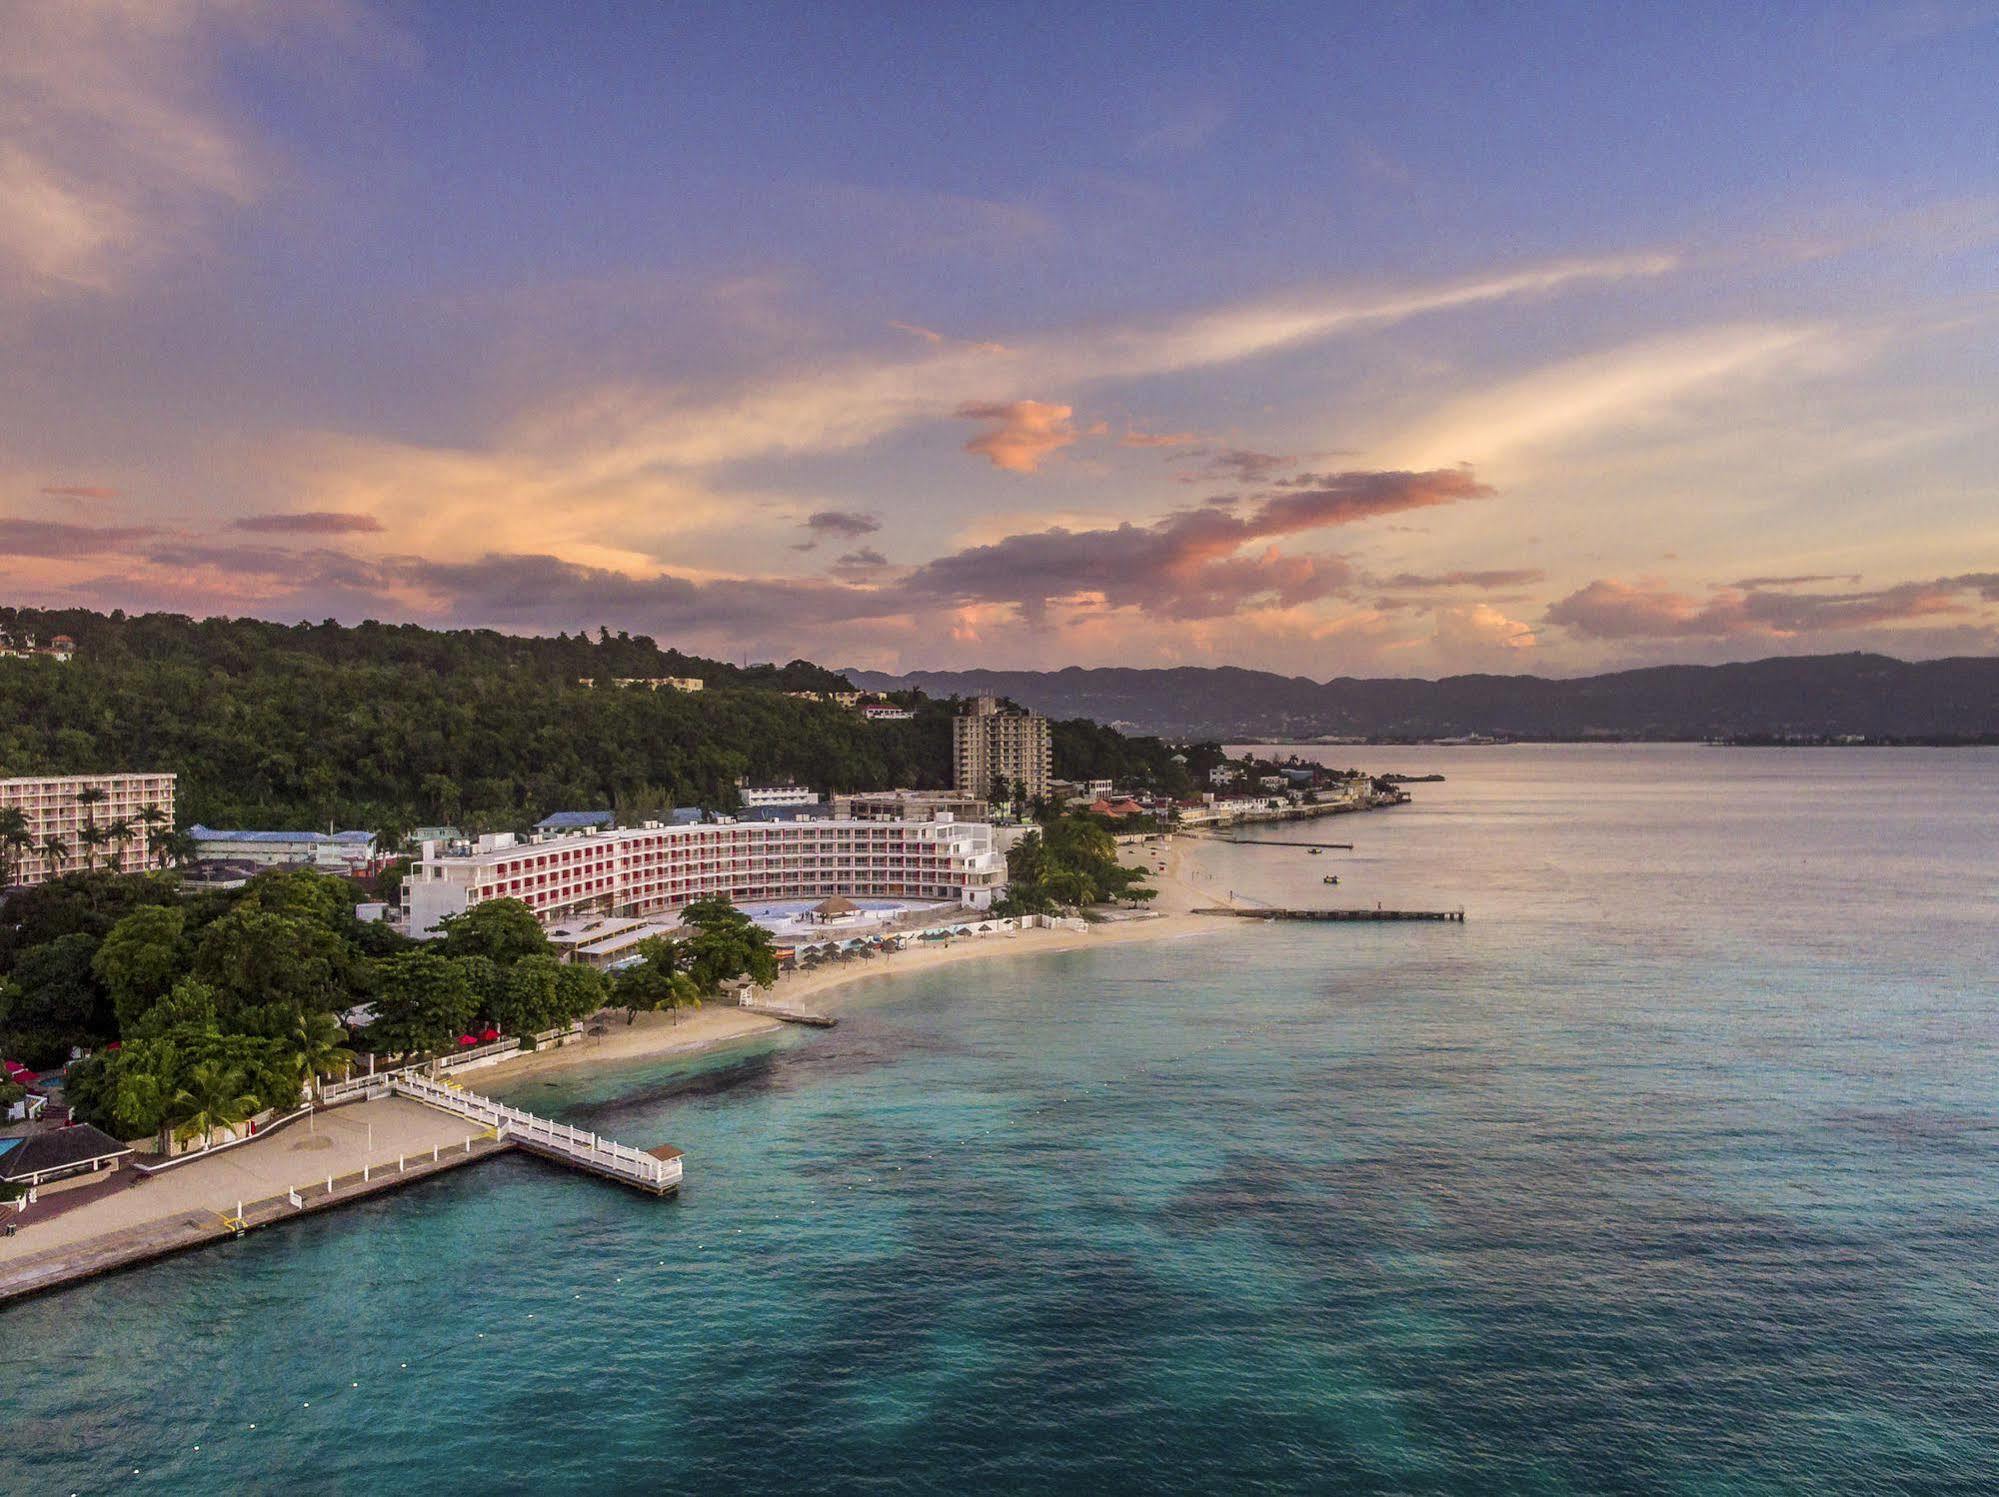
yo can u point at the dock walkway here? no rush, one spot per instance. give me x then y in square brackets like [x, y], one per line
[656, 1172]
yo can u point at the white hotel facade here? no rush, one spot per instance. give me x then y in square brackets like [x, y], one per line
[656, 869]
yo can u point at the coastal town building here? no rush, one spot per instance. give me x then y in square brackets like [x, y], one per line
[756, 796]
[656, 868]
[992, 745]
[24, 647]
[352, 852]
[105, 820]
[650, 683]
[910, 805]
[883, 712]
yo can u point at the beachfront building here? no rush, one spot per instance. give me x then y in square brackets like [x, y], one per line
[755, 797]
[992, 746]
[910, 805]
[352, 852]
[104, 820]
[655, 868]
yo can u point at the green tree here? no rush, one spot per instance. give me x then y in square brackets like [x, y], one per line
[423, 1003]
[726, 944]
[190, 1005]
[654, 981]
[53, 1002]
[501, 930]
[317, 1047]
[214, 1096]
[16, 842]
[139, 960]
[532, 998]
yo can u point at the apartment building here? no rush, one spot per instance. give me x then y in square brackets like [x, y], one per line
[992, 744]
[655, 868]
[67, 807]
[754, 797]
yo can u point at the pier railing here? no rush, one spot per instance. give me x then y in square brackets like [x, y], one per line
[593, 1152]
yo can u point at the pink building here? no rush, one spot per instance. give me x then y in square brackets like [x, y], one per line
[652, 869]
[57, 806]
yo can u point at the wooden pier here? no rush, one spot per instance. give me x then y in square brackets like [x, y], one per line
[1456, 916]
[655, 1171]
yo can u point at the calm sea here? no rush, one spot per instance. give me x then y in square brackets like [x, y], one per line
[1674, 1169]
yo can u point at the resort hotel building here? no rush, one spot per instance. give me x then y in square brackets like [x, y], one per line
[654, 869]
[991, 745]
[66, 814]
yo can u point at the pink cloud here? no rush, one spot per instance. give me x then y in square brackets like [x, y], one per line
[1609, 608]
[1022, 434]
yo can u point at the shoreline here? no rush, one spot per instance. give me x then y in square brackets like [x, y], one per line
[656, 1036]
[133, 1221]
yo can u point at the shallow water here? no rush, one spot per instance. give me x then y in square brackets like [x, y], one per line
[1675, 1168]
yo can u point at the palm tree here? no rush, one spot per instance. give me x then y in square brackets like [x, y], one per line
[89, 798]
[153, 820]
[16, 841]
[56, 851]
[92, 838]
[316, 1049]
[213, 1098]
[119, 834]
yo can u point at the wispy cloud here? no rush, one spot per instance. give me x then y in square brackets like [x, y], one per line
[310, 522]
[115, 143]
[1612, 609]
[53, 538]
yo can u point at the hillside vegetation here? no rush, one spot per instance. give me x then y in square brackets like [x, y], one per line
[390, 726]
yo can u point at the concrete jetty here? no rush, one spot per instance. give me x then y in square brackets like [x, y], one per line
[791, 1015]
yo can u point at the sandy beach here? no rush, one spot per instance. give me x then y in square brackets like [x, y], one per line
[827, 989]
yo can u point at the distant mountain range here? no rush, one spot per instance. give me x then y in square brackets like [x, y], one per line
[1811, 696]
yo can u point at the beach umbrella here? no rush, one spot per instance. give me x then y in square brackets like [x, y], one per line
[490, 1034]
[466, 1039]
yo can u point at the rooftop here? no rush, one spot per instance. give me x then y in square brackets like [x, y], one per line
[39, 1153]
[573, 821]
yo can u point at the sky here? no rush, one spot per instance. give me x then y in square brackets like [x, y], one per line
[1384, 339]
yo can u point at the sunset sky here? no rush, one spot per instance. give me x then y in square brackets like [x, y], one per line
[1330, 339]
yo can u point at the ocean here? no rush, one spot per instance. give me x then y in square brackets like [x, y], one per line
[1674, 1169]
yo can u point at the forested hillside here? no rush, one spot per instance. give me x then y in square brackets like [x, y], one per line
[388, 726]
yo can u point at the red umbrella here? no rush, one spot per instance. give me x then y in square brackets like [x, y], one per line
[466, 1039]
[490, 1034]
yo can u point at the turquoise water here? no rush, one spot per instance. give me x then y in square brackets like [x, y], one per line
[1674, 1169]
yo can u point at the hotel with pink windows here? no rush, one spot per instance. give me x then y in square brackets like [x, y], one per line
[656, 869]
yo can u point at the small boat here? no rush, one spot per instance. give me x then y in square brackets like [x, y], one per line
[1313, 851]
[1331, 878]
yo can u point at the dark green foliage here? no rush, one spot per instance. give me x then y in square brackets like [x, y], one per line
[1070, 863]
[53, 1000]
[390, 726]
[726, 945]
[423, 1002]
[503, 931]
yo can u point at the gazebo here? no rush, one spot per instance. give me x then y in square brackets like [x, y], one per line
[839, 907]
